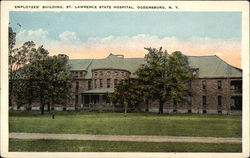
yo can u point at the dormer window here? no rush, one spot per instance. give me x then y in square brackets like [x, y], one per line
[116, 73]
[108, 73]
[95, 73]
[101, 73]
[194, 73]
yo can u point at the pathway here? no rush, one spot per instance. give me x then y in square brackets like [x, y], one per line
[132, 138]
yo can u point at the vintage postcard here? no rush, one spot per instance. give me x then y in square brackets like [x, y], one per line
[124, 79]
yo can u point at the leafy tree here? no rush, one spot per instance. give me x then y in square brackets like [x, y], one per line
[18, 92]
[164, 76]
[126, 93]
[178, 76]
[34, 74]
[50, 77]
[18, 58]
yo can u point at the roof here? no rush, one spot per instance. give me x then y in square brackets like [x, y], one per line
[111, 62]
[213, 67]
[209, 66]
[99, 90]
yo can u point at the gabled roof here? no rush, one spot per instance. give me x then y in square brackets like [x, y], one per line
[213, 67]
[111, 62]
[209, 66]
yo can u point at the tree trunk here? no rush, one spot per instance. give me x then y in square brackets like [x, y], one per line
[147, 106]
[125, 108]
[29, 105]
[48, 107]
[161, 107]
[42, 109]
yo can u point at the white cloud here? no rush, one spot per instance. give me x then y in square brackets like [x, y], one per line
[38, 36]
[130, 46]
[41, 37]
[68, 36]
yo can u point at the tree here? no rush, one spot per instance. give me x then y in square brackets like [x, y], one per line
[12, 41]
[126, 93]
[178, 76]
[50, 77]
[164, 76]
[34, 74]
[18, 58]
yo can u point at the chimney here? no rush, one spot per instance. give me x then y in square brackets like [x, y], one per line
[63, 56]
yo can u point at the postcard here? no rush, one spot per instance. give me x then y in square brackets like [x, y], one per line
[124, 79]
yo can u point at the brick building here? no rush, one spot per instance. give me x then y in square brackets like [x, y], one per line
[217, 87]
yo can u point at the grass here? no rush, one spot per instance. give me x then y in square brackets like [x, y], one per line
[17, 145]
[203, 125]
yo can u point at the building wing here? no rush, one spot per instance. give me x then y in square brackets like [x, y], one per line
[208, 66]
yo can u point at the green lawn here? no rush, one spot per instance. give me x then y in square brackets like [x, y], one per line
[134, 124]
[17, 145]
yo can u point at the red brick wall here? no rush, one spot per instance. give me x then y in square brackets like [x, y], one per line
[113, 74]
[211, 92]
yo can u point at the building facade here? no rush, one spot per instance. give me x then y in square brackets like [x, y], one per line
[217, 87]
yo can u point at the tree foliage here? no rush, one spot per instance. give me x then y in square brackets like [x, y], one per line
[50, 77]
[126, 93]
[34, 75]
[164, 76]
[18, 58]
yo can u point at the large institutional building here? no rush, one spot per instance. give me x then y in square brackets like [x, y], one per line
[217, 87]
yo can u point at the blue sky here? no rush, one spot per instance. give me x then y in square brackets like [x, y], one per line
[101, 24]
[96, 34]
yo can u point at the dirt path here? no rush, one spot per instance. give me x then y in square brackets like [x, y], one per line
[132, 138]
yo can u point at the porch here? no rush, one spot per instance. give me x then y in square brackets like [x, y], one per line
[98, 97]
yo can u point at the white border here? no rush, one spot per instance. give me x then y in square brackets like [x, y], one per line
[241, 6]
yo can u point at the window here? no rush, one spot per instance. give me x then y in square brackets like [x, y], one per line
[108, 73]
[95, 83]
[89, 84]
[77, 85]
[101, 73]
[115, 82]
[204, 85]
[219, 85]
[190, 83]
[219, 100]
[116, 73]
[204, 100]
[96, 73]
[108, 83]
[100, 82]
[80, 74]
